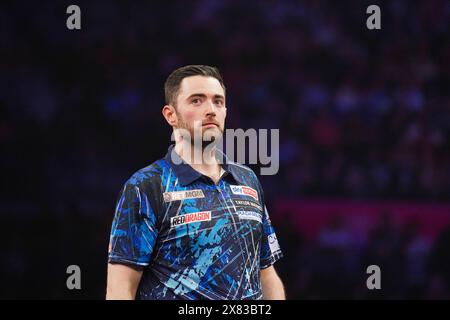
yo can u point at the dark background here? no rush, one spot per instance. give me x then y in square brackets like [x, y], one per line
[364, 119]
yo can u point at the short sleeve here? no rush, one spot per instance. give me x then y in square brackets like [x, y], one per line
[133, 231]
[270, 249]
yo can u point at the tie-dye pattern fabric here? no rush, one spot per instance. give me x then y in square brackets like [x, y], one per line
[194, 239]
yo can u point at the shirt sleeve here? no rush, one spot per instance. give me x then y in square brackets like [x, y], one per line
[133, 231]
[270, 249]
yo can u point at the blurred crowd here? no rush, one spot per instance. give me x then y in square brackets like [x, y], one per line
[362, 114]
[334, 263]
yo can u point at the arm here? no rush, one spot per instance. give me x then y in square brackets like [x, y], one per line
[272, 286]
[122, 282]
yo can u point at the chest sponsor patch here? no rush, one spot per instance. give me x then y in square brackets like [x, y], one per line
[273, 243]
[190, 217]
[249, 215]
[182, 195]
[244, 191]
[247, 203]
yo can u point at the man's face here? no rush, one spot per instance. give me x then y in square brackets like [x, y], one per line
[201, 108]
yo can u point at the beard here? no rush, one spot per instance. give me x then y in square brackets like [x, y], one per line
[205, 138]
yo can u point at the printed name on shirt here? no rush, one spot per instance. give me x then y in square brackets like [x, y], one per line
[249, 215]
[190, 217]
[247, 203]
[244, 190]
[182, 195]
[273, 243]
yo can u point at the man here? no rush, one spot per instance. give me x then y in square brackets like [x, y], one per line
[187, 229]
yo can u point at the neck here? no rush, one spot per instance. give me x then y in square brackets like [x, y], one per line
[196, 156]
[202, 160]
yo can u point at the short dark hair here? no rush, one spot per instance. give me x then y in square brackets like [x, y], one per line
[173, 82]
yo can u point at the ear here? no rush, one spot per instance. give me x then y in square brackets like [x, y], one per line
[170, 115]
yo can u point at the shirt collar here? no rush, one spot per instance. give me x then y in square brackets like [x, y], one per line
[186, 174]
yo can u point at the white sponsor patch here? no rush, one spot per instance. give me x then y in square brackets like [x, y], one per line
[190, 217]
[250, 215]
[273, 243]
[244, 191]
[248, 203]
[182, 195]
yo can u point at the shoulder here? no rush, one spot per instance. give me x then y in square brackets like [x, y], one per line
[245, 174]
[145, 186]
[243, 170]
[147, 177]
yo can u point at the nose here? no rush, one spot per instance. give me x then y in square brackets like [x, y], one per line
[211, 109]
